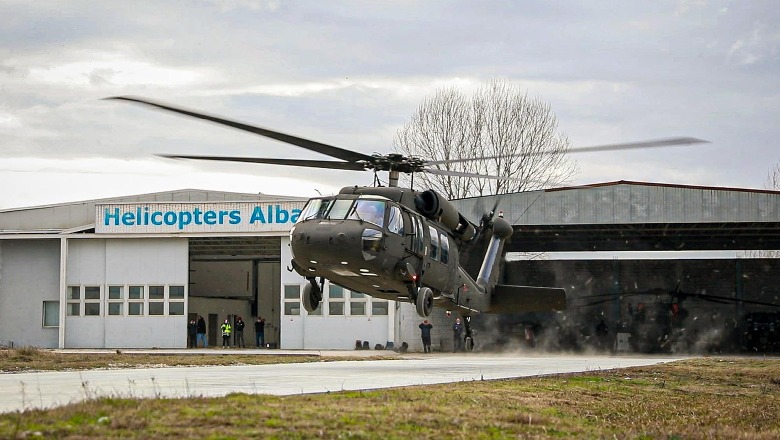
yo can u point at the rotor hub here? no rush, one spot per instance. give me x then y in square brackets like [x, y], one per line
[395, 162]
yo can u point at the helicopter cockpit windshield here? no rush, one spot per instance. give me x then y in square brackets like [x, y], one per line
[315, 208]
[367, 210]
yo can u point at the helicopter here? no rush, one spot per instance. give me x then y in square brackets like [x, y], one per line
[398, 243]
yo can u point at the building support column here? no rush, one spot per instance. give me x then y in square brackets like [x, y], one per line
[63, 290]
[739, 287]
[616, 290]
[391, 324]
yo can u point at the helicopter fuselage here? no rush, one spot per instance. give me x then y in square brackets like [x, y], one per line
[370, 240]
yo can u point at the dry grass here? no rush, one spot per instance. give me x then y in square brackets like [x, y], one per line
[701, 398]
[28, 359]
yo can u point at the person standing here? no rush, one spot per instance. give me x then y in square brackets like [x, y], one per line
[192, 334]
[425, 333]
[226, 330]
[239, 330]
[260, 332]
[457, 336]
[201, 329]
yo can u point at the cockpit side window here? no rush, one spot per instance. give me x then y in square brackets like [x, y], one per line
[372, 211]
[395, 221]
[419, 235]
[445, 248]
[315, 208]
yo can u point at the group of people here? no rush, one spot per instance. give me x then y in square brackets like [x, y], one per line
[457, 335]
[196, 332]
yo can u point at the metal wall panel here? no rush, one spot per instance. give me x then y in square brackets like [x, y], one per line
[29, 275]
[127, 262]
[625, 203]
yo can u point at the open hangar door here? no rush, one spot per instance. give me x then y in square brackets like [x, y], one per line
[236, 276]
[683, 306]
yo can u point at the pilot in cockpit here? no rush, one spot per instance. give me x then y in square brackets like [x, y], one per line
[371, 211]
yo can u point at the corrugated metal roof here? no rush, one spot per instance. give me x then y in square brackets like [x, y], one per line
[632, 216]
[626, 202]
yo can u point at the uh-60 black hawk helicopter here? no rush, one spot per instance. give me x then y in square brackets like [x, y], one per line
[397, 243]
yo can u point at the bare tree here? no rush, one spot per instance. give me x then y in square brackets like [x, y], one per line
[507, 133]
[773, 178]
[773, 183]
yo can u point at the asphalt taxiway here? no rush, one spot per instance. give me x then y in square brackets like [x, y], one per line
[20, 391]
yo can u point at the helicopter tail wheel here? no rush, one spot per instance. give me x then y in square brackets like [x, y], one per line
[424, 302]
[311, 297]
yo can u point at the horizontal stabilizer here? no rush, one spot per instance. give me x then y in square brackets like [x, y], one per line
[521, 299]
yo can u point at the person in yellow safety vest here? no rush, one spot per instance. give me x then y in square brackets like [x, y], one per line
[226, 329]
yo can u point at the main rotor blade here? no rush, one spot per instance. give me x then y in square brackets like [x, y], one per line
[462, 174]
[328, 150]
[668, 142]
[290, 162]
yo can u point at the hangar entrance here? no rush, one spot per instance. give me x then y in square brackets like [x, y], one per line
[647, 305]
[236, 276]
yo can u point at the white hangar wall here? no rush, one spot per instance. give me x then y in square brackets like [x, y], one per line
[300, 330]
[408, 328]
[29, 275]
[123, 263]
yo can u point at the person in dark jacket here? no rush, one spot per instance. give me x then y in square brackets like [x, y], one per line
[260, 332]
[192, 334]
[238, 330]
[201, 332]
[425, 333]
[457, 336]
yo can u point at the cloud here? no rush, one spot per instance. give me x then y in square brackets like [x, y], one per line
[761, 45]
[252, 5]
[9, 121]
[406, 88]
[114, 72]
[46, 181]
[350, 73]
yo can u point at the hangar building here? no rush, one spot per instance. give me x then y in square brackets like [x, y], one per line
[701, 263]
[129, 272]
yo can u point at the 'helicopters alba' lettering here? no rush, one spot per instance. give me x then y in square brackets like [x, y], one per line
[274, 214]
[186, 216]
[148, 217]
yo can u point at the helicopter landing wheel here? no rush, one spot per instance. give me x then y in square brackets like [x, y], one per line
[424, 301]
[311, 297]
[469, 344]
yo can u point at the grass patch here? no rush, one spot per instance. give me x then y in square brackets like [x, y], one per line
[692, 399]
[27, 359]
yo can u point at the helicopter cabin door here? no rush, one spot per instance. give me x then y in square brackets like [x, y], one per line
[437, 274]
[415, 241]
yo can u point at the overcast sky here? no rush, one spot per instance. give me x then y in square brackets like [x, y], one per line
[351, 73]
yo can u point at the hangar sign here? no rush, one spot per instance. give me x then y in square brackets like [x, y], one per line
[185, 217]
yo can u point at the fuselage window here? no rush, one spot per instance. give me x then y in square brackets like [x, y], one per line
[445, 248]
[418, 244]
[315, 208]
[372, 211]
[340, 209]
[434, 243]
[395, 222]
